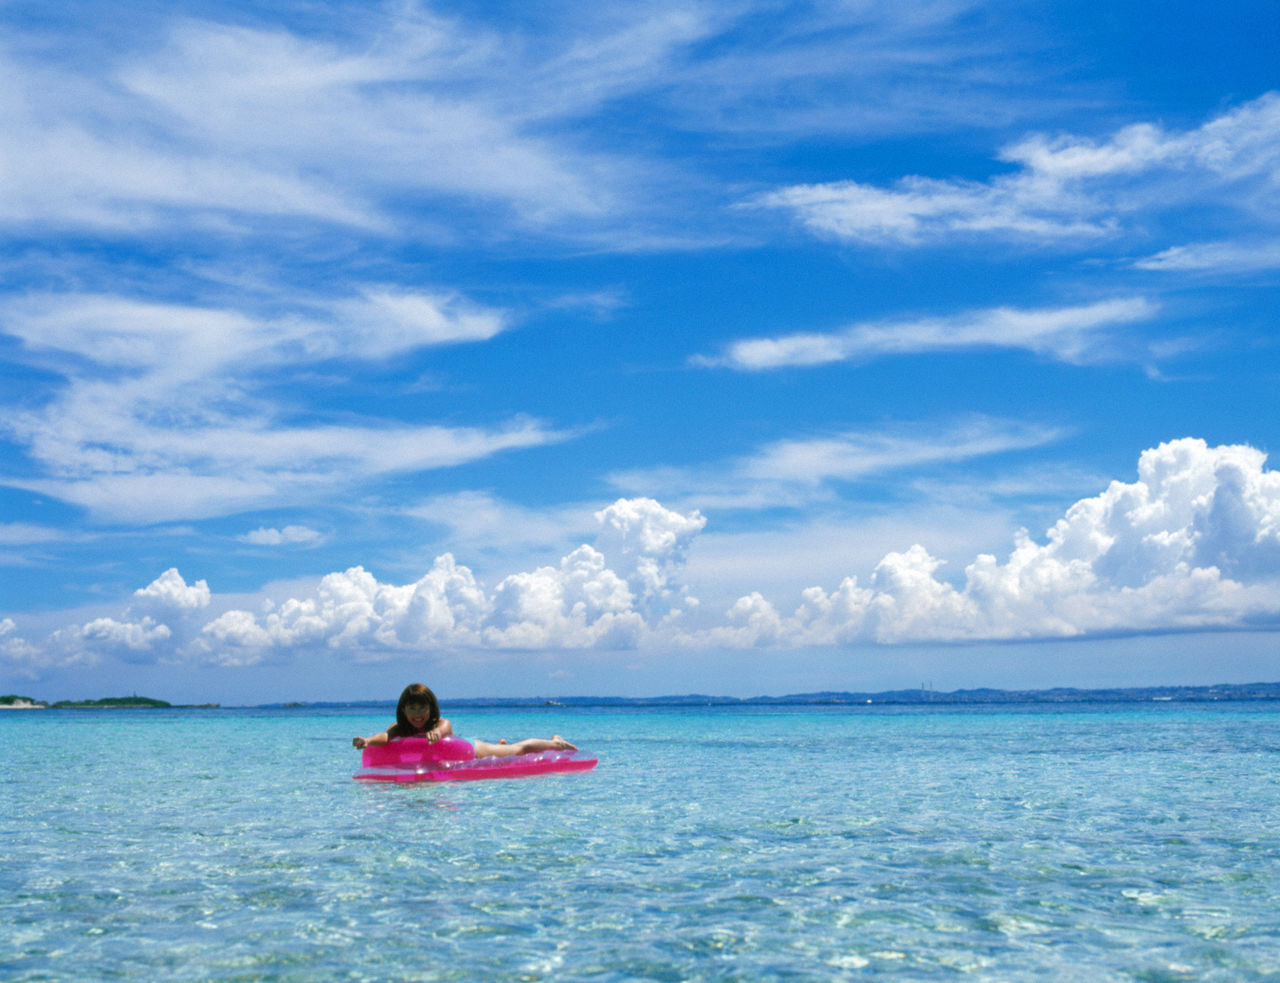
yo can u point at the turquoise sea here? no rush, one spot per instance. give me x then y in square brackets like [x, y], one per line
[1090, 843]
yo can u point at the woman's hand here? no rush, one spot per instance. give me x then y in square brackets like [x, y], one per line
[442, 729]
[358, 742]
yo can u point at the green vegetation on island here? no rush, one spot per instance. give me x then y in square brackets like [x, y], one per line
[135, 702]
[112, 703]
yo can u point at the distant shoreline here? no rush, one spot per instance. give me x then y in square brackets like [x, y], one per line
[109, 703]
[1225, 692]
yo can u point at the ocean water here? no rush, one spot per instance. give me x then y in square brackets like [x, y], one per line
[1093, 843]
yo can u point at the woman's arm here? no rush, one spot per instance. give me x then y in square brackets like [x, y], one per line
[442, 729]
[374, 741]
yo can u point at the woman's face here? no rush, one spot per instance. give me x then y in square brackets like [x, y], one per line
[417, 714]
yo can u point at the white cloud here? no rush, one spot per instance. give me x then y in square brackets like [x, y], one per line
[373, 122]
[288, 536]
[159, 620]
[1078, 335]
[28, 534]
[390, 320]
[167, 342]
[483, 523]
[136, 637]
[579, 604]
[649, 545]
[26, 661]
[586, 601]
[57, 169]
[162, 416]
[798, 471]
[1062, 188]
[260, 123]
[848, 457]
[169, 594]
[155, 474]
[132, 336]
[860, 69]
[1226, 257]
[1192, 544]
[920, 209]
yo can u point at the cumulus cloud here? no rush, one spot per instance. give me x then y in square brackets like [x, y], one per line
[593, 598]
[158, 622]
[1060, 188]
[1192, 544]
[169, 593]
[649, 545]
[125, 639]
[579, 604]
[24, 660]
[1078, 335]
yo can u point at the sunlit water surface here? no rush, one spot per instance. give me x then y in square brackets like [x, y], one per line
[1090, 843]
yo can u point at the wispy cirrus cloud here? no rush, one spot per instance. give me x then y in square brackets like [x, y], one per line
[138, 469]
[1244, 256]
[166, 414]
[152, 337]
[222, 123]
[1061, 189]
[396, 110]
[798, 471]
[1078, 335]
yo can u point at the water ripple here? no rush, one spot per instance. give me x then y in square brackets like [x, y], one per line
[709, 844]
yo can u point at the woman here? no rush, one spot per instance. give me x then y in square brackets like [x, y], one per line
[418, 715]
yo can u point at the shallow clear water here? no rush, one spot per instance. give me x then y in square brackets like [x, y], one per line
[1093, 844]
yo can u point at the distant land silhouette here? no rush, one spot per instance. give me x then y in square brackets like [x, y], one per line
[924, 695]
[1223, 692]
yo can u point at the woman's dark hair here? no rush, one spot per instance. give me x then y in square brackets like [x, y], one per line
[417, 693]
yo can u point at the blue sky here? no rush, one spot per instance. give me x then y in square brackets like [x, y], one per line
[636, 348]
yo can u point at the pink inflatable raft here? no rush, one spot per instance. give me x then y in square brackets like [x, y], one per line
[450, 759]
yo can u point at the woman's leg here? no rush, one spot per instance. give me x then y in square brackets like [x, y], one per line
[530, 745]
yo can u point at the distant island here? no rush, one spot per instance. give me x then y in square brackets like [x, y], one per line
[12, 702]
[903, 697]
[1223, 692]
[112, 703]
[925, 696]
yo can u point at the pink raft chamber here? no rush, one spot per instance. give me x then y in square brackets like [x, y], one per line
[451, 759]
